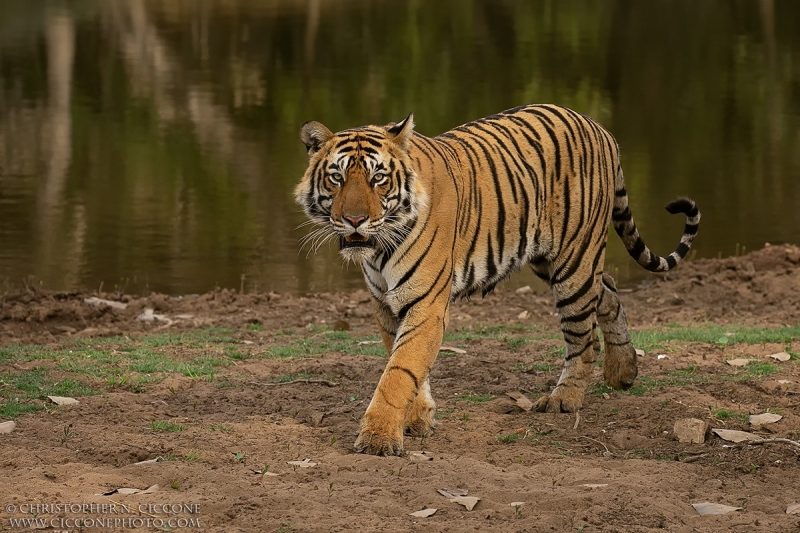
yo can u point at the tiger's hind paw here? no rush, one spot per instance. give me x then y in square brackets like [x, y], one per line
[421, 418]
[620, 366]
[563, 399]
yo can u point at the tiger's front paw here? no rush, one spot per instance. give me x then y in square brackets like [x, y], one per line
[379, 436]
[563, 399]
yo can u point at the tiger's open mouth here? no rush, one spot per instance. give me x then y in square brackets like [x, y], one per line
[356, 240]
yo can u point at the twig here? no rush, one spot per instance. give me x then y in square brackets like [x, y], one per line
[595, 440]
[693, 458]
[766, 441]
[326, 382]
[577, 420]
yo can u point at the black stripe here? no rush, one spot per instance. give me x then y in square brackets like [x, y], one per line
[408, 372]
[418, 262]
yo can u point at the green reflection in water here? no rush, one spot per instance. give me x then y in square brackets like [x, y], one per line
[153, 144]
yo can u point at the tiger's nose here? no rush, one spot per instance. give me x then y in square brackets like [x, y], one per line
[355, 220]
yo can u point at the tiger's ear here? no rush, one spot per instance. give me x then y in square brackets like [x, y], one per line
[401, 132]
[314, 135]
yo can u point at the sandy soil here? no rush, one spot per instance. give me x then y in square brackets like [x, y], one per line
[616, 467]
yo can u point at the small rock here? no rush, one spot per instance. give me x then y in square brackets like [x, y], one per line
[62, 400]
[7, 427]
[764, 418]
[691, 430]
[523, 315]
[524, 290]
[639, 352]
[713, 508]
[738, 362]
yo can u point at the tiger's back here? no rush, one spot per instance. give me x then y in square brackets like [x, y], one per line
[434, 219]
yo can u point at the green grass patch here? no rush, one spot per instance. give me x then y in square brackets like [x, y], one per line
[689, 376]
[113, 362]
[509, 438]
[539, 367]
[166, 425]
[713, 334]
[327, 342]
[20, 391]
[727, 414]
[474, 398]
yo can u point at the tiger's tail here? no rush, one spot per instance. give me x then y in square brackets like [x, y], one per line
[625, 227]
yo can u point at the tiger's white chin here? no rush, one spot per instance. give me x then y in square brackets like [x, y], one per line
[356, 254]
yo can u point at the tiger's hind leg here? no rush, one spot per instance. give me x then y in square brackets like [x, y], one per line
[619, 361]
[576, 300]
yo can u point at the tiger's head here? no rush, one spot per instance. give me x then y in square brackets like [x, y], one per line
[360, 186]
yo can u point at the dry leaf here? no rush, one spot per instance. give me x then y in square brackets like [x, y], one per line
[270, 474]
[516, 504]
[420, 456]
[738, 362]
[594, 485]
[368, 343]
[151, 489]
[793, 509]
[7, 427]
[305, 463]
[764, 418]
[124, 490]
[522, 401]
[453, 493]
[781, 356]
[425, 513]
[452, 349]
[713, 508]
[733, 435]
[157, 459]
[467, 501]
[248, 342]
[784, 381]
[63, 400]
[639, 352]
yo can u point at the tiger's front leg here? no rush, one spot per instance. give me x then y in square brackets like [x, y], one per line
[402, 399]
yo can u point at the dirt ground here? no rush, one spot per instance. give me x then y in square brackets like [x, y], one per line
[293, 389]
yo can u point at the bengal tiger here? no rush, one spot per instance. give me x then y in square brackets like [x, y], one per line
[431, 220]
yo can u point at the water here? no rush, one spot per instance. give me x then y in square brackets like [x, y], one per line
[153, 145]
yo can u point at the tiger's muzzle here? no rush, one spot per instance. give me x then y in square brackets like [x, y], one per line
[356, 240]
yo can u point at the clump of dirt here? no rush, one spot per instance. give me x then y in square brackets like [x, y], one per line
[262, 380]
